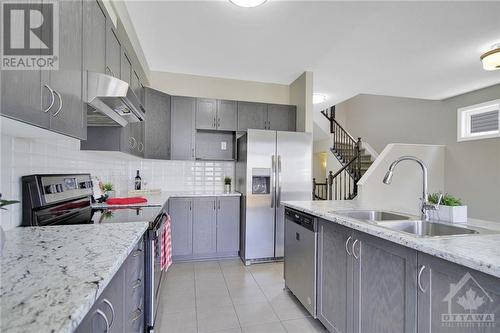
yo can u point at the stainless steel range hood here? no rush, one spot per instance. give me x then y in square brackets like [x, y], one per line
[111, 101]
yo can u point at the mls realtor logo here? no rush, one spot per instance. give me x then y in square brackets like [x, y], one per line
[30, 35]
[471, 298]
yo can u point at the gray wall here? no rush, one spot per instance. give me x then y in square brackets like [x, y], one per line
[472, 169]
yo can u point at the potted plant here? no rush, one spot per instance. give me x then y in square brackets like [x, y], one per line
[4, 203]
[109, 189]
[227, 184]
[448, 208]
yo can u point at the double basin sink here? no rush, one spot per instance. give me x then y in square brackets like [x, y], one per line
[406, 223]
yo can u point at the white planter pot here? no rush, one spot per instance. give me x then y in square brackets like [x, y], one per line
[111, 194]
[454, 214]
[227, 188]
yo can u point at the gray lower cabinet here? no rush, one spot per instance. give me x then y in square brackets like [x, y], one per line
[365, 283]
[334, 296]
[252, 115]
[157, 126]
[454, 298]
[384, 285]
[228, 226]
[181, 213]
[205, 227]
[281, 117]
[120, 307]
[183, 128]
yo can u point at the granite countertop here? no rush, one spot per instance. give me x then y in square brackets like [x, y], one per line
[479, 251]
[51, 276]
[159, 199]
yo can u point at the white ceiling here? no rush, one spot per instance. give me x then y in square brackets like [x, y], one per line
[412, 49]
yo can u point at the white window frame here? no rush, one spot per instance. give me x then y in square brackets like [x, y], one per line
[464, 121]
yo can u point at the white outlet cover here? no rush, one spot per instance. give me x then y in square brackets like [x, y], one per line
[223, 145]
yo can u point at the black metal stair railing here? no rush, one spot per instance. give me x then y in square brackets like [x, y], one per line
[343, 184]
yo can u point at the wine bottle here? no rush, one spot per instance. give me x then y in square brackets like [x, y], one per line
[138, 181]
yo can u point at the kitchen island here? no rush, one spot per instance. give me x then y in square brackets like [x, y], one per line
[52, 276]
[371, 277]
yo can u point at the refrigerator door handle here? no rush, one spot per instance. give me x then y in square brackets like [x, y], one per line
[278, 201]
[273, 179]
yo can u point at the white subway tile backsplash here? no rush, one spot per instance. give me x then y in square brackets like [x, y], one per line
[23, 156]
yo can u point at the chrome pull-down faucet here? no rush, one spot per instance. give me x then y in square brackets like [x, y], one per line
[426, 206]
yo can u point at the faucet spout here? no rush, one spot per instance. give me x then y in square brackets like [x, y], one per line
[425, 194]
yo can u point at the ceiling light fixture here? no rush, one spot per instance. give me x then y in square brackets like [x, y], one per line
[318, 98]
[248, 3]
[491, 59]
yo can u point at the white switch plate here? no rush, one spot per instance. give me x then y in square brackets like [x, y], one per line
[223, 145]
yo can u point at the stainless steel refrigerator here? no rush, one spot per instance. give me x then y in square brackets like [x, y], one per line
[272, 167]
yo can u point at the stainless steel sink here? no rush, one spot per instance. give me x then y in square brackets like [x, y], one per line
[372, 215]
[427, 229]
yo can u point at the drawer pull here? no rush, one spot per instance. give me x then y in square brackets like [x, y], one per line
[138, 315]
[137, 284]
[103, 316]
[108, 303]
[137, 253]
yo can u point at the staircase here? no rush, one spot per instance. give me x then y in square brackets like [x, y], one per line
[355, 161]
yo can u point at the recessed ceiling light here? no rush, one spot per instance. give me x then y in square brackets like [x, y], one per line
[248, 3]
[491, 59]
[318, 98]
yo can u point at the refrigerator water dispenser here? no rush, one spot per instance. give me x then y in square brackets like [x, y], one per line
[261, 181]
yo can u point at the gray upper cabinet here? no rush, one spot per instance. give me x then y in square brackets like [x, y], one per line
[251, 115]
[180, 211]
[157, 126]
[206, 113]
[183, 128]
[446, 289]
[204, 226]
[385, 288]
[113, 51]
[334, 277]
[126, 68]
[68, 116]
[227, 115]
[228, 225]
[281, 117]
[94, 37]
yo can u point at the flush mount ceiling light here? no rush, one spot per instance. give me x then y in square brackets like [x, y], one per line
[491, 59]
[318, 98]
[248, 3]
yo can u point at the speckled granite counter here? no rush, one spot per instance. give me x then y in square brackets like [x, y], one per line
[480, 251]
[159, 199]
[51, 276]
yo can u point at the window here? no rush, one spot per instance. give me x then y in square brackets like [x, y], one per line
[480, 121]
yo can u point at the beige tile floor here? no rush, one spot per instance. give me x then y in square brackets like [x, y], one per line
[225, 296]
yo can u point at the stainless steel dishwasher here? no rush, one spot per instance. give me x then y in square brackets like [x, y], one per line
[300, 257]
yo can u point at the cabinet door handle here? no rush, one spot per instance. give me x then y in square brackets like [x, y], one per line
[103, 316]
[110, 305]
[52, 98]
[192, 152]
[132, 142]
[139, 314]
[214, 205]
[137, 253]
[137, 284]
[60, 103]
[218, 122]
[140, 147]
[347, 245]
[218, 201]
[189, 205]
[419, 281]
[353, 249]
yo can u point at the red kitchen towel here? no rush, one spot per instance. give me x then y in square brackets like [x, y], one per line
[166, 245]
[126, 201]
